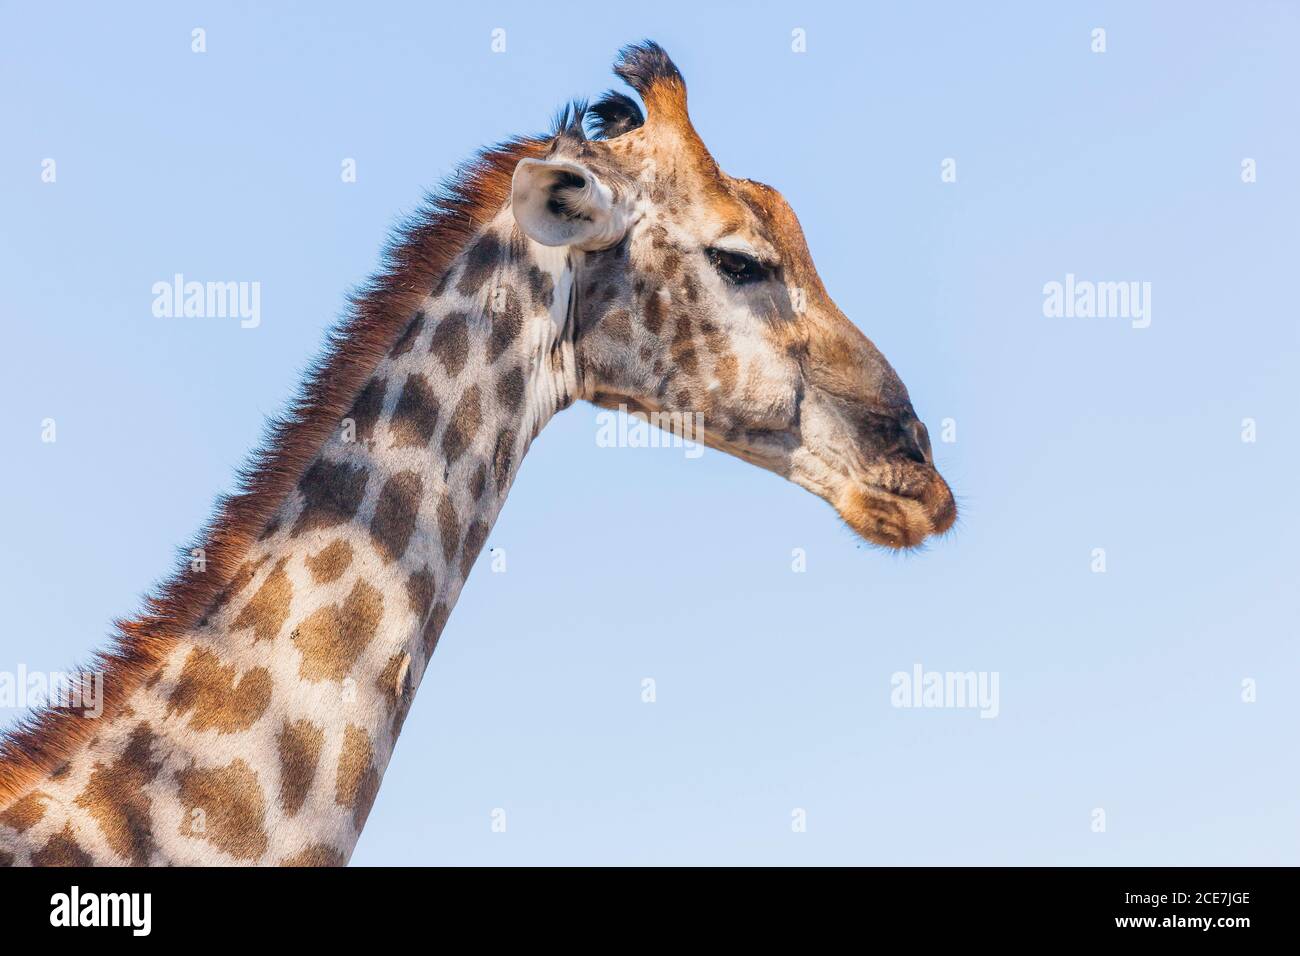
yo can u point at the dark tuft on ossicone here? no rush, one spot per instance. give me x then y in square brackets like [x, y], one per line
[643, 64]
[568, 122]
[613, 115]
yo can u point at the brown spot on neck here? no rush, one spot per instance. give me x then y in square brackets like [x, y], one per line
[395, 513]
[653, 318]
[315, 855]
[332, 638]
[330, 562]
[507, 323]
[419, 592]
[448, 528]
[510, 388]
[478, 483]
[116, 797]
[475, 535]
[450, 343]
[409, 335]
[299, 744]
[416, 414]
[215, 700]
[332, 492]
[433, 628]
[503, 459]
[266, 611]
[365, 410]
[25, 813]
[357, 782]
[464, 425]
[482, 259]
[62, 849]
[618, 325]
[226, 807]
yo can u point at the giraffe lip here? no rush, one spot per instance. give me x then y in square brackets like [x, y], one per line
[902, 493]
[903, 513]
[917, 482]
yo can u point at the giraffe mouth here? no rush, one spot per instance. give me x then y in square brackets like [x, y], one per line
[897, 503]
[899, 514]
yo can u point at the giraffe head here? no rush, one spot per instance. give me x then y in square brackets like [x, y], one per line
[695, 299]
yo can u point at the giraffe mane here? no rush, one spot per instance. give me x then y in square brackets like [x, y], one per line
[416, 256]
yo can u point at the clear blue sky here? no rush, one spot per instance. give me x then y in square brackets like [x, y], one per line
[1120, 691]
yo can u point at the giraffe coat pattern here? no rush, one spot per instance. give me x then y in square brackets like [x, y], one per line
[252, 713]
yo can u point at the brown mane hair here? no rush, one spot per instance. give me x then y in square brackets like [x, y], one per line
[417, 256]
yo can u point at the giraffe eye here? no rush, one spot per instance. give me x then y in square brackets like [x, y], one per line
[736, 266]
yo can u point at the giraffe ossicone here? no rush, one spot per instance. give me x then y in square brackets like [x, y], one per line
[253, 706]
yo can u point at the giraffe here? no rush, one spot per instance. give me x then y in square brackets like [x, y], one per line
[252, 707]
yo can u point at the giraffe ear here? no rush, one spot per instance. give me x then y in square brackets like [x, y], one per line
[558, 202]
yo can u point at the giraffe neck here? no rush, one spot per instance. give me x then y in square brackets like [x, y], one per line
[264, 735]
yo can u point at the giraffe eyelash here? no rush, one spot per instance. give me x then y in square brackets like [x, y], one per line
[737, 267]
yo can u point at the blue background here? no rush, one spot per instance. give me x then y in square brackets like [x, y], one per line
[1119, 691]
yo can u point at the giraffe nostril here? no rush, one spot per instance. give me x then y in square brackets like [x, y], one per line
[917, 439]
